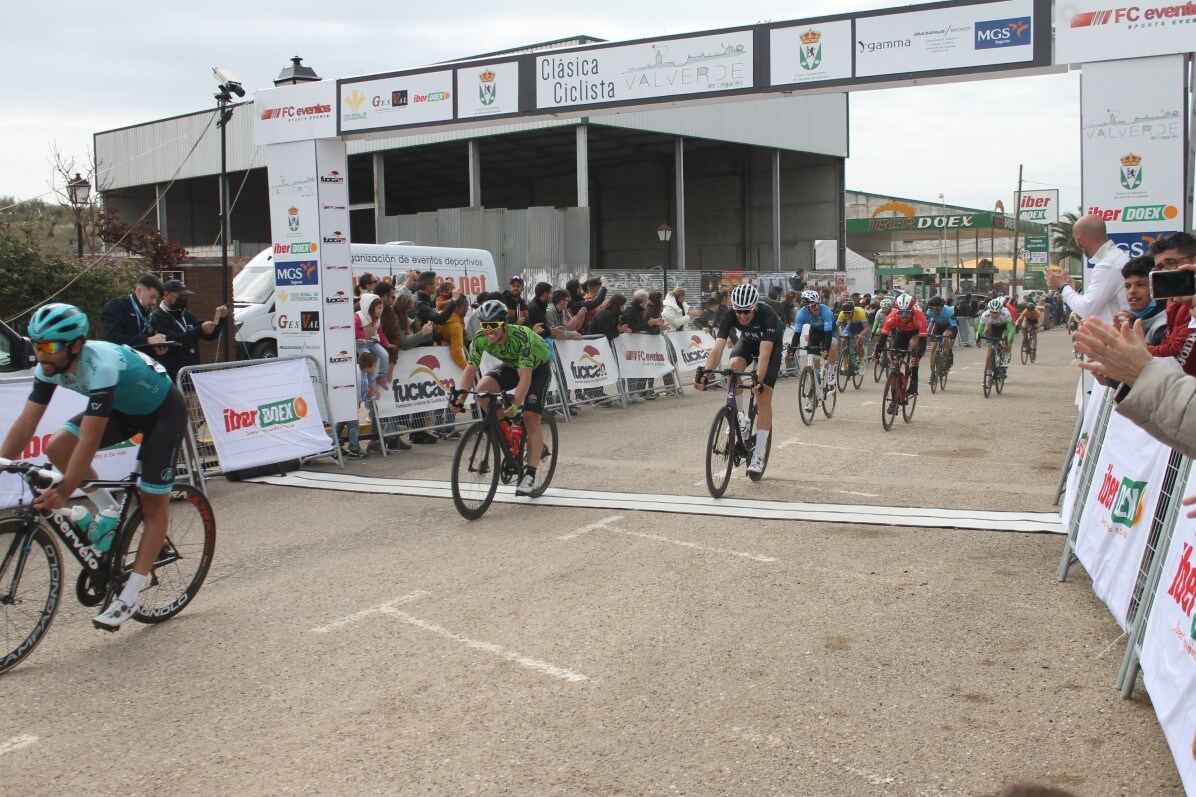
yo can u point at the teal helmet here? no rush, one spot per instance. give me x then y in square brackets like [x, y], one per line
[56, 321]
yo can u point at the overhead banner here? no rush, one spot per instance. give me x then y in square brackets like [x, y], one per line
[588, 363]
[1104, 30]
[488, 90]
[642, 356]
[1041, 207]
[396, 100]
[691, 348]
[955, 37]
[1133, 145]
[424, 380]
[115, 463]
[649, 70]
[262, 414]
[294, 113]
[1117, 514]
[1169, 646]
[1072, 486]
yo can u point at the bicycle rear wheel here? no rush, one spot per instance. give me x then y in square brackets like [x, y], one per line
[888, 404]
[857, 373]
[843, 371]
[548, 452]
[999, 378]
[475, 471]
[934, 372]
[990, 371]
[944, 369]
[720, 452]
[807, 396]
[878, 368]
[183, 561]
[1025, 350]
[27, 604]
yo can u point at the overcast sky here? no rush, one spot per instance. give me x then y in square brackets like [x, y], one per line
[79, 68]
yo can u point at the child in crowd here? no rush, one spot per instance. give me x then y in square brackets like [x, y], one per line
[367, 390]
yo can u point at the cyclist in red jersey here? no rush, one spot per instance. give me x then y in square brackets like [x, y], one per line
[905, 323]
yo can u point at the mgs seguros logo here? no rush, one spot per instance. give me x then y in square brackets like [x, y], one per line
[1003, 33]
[424, 383]
[588, 365]
[302, 272]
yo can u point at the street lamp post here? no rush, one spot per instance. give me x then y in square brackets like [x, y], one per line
[228, 86]
[664, 232]
[80, 191]
[942, 243]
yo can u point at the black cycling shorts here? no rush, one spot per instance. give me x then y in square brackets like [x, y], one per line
[821, 338]
[508, 377]
[900, 340]
[751, 352]
[946, 330]
[161, 433]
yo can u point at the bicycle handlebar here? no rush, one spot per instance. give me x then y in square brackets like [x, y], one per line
[32, 474]
[727, 372]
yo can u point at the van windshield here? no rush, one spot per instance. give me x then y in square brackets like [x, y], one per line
[253, 285]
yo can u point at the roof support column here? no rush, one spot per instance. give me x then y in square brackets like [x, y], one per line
[379, 166]
[475, 173]
[679, 201]
[160, 208]
[776, 210]
[583, 166]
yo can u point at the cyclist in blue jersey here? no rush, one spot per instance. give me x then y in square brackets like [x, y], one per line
[127, 394]
[823, 332]
[942, 322]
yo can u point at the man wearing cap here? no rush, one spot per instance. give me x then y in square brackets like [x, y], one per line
[126, 318]
[175, 322]
[512, 297]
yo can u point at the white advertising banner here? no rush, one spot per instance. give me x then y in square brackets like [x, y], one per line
[294, 113]
[1081, 454]
[810, 53]
[588, 363]
[642, 356]
[295, 228]
[262, 414]
[487, 90]
[1132, 119]
[424, 379]
[956, 37]
[1040, 207]
[116, 462]
[1169, 646]
[692, 348]
[396, 100]
[336, 281]
[647, 70]
[1105, 30]
[1117, 514]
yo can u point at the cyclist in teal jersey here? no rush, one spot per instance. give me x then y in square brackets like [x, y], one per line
[127, 394]
[525, 370]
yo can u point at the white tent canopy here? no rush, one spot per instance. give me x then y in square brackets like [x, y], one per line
[861, 272]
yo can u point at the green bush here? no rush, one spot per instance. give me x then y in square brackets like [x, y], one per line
[30, 275]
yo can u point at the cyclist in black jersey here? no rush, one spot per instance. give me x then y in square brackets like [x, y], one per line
[760, 334]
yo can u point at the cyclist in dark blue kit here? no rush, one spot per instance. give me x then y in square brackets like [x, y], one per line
[760, 334]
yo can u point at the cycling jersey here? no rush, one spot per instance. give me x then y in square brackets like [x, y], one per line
[1003, 317]
[825, 320]
[879, 320]
[914, 322]
[521, 348]
[765, 325]
[945, 317]
[1031, 316]
[112, 377]
[858, 316]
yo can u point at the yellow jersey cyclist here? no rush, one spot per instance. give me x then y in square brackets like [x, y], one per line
[525, 370]
[942, 325]
[1029, 320]
[760, 334]
[853, 322]
[127, 394]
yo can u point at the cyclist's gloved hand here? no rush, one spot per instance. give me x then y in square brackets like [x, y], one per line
[457, 400]
[513, 411]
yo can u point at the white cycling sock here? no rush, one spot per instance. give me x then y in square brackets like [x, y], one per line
[741, 402]
[762, 441]
[132, 588]
[103, 499]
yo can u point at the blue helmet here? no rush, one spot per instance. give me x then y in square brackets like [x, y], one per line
[56, 321]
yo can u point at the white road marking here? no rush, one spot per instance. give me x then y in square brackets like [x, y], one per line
[900, 454]
[787, 443]
[488, 647]
[686, 544]
[16, 743]
[383, 608]
[591, 527]
[862, 495]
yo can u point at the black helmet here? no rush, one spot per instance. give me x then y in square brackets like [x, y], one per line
[937, 301]
[847, 307]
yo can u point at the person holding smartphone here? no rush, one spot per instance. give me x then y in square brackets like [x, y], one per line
[1176, 253]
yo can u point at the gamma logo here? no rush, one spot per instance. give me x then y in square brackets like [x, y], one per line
[1003, 33]
[1123, 498]
[588, 366]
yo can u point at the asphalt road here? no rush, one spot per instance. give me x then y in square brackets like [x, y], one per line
[371, 644]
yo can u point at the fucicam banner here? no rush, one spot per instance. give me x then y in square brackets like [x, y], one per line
[114, 463]
[588, 363]
[424, 379]
[1169, 646]
[1117, 514]
[262, 414]
[642, 356]
[692, 349]
[1095, 401]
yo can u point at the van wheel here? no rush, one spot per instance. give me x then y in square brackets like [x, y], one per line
[264, 349]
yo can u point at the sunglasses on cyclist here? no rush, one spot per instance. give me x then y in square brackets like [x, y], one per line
[50, 346]
[745, 312]
[905, 313]
[493, 324]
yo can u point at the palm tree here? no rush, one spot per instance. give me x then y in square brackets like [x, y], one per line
[1063, 243]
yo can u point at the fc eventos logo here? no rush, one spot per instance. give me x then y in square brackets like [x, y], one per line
[1003, 33]
[299, 272]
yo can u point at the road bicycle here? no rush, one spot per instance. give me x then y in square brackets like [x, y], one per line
[728, 445]
[897, 397]
[849, 364]
[940, 364]
[995, 368]
[816, 386]
[495, 448]
[1029, 351]
[31, 564]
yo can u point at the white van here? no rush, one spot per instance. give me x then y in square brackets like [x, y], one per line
[470, 270]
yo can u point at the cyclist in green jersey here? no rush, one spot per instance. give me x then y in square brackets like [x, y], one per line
[525, 370]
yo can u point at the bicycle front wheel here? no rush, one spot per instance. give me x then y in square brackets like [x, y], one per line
[888, 403]
[720, 452]
[934, 373]
[1025, 351]
[807, 396]
[990, 371]
[843, 371]
[548, 452]
[857, 373]
[829, 397]
[475, 471]
[30, 589]
[183, 561]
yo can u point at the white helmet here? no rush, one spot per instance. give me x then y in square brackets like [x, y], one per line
[886, 303]
[745, 297]
[996, 304]
[904, 302]
[809, 297]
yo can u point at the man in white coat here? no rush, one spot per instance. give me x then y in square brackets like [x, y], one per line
[1104, 295]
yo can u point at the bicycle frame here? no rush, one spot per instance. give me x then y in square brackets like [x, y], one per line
[499, 400]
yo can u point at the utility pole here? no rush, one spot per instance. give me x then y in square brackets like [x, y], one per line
[1017, 219]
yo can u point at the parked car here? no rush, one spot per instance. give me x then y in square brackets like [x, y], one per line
[16, 352]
